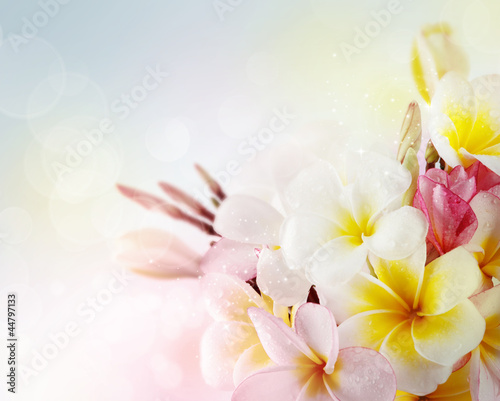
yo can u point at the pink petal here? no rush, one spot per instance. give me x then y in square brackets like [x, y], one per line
[495, 191]
[485, 178]
[460, 184]
[317, 326]
[228, 297]
[451, 220]
[491, 357]
[158, 253]
[483, 385]
[272, 384]
[251, 361]
[231, 257]
[462, 362]
[362, 374]
[439, 176]
[248, 219]
[282, 344]
[488, 305]
[221, 346]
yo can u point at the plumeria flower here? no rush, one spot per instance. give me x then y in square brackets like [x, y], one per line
[309, 364]
[419, 318]
[435, 53]
[333, 228]
[462, 208]
[485, 360]
[466, 120]
[230, 348]
[456, 388]
[444, 199]
[250, 220]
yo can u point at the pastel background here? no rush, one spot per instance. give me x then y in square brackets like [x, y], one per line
[203, 78]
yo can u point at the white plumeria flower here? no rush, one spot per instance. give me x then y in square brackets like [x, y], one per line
[331, 228]
[466, 120]
[334, 227]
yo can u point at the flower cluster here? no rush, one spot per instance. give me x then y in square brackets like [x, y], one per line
[371, 279]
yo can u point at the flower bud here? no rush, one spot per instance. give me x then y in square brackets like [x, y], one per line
[431, 154]
[434, 53]
[411, 131]
[411, 163]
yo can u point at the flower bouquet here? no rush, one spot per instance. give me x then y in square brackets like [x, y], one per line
[365, 276]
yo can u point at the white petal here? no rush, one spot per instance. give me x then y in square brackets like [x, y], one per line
[316, 189]
[492, 162]
[398, 234]
[337, 261]
[414, 373]
[448, 280]
[229, 297]
[360, 294]
[368, 329]
[445, 139]
[302, 234]
[455, 97]
[275, 278]
[381, 181]
[445, 338]
[248, 219]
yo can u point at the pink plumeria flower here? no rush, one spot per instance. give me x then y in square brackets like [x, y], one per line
[444, 200]
[309, 364]
[463, 209]
[230, 348]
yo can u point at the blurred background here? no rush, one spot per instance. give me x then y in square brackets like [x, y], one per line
[94, 93]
